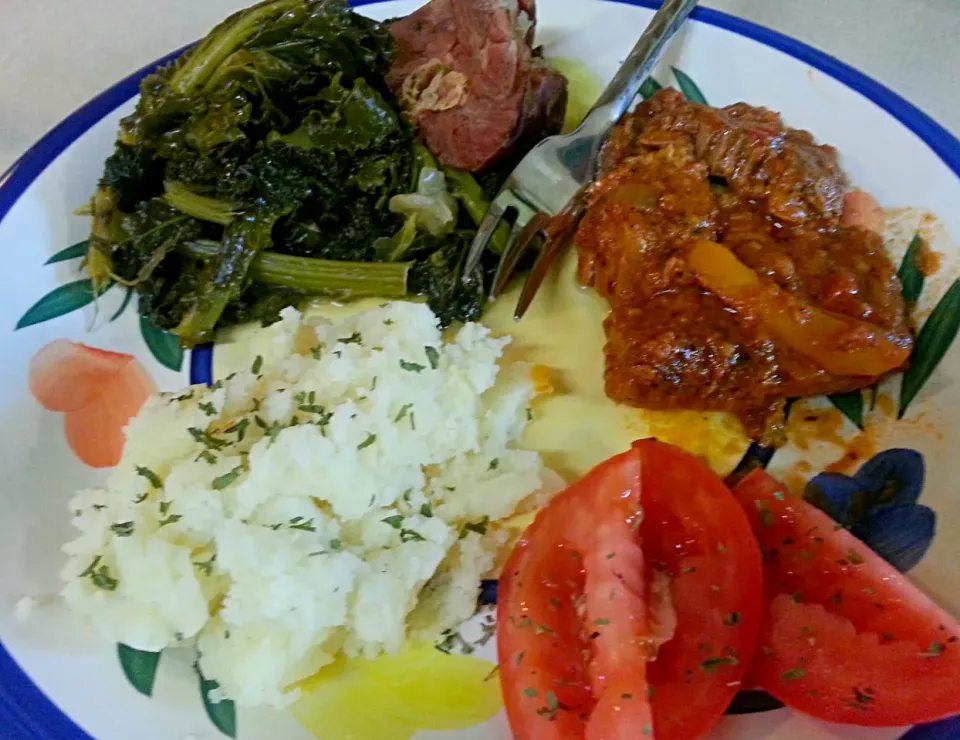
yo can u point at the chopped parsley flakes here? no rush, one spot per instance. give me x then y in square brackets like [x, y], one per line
[207, 439]
[152, 477]
[475, 527]
[710, 665]
[100, 575]
[304, 525]
[122, 529]
[766, 516]
[221, 482]
[239, 428]
[206, 566]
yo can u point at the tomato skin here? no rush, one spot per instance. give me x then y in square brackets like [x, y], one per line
[695, 530]
[578, 612]
[548, 692]
[846, 638]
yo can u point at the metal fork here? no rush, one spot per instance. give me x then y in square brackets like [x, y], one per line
[555, 171]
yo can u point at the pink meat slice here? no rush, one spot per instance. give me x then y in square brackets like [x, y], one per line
[466, 74]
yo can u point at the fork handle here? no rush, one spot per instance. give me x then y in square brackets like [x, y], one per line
[635, 70]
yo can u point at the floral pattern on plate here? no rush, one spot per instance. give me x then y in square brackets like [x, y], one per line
[97, 391]
[879, 505]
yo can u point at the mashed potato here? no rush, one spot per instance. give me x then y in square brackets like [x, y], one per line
[338, 495]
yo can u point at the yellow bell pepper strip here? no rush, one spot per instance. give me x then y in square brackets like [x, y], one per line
[839, 344]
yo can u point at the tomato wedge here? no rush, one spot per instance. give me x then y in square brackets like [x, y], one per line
[695, 531]
[542, 611]
[846, 637]
[631, 605]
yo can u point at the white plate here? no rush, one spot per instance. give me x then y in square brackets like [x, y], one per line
[56, 678]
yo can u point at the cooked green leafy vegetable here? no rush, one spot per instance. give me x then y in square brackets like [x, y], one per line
[312, 276]
[272, 162]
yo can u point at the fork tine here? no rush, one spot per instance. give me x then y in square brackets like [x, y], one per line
[537, 273]
[521, 238]
[484, 234]
[509, 258]
[553, 245]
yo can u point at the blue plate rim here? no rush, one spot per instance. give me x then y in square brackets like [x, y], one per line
[24, 708]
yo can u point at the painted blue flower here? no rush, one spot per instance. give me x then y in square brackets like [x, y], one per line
[945, 729]
[879, 505]
[488, 592]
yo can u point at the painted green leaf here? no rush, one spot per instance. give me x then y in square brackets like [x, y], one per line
[932, 344]
[650, 88]
[139, 666]
[164, 346]
[70, 253]
[58, 302]
[123, 306]
[688, 87]
[850, 405]
[910, 274]
[223, 714]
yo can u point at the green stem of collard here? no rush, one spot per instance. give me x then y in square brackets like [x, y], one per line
[422, 158]
[467, 190]
[402, 241]
[203, 61]
[223, 277]
[317, 276]
[179, 196]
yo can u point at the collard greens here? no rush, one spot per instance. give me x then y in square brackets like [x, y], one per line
[275, 135]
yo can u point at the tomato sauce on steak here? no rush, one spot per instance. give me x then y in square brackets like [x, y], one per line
[675, 172]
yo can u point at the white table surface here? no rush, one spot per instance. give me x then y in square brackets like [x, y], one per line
[57, 54]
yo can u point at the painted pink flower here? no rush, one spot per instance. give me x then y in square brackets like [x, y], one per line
[97, 391]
